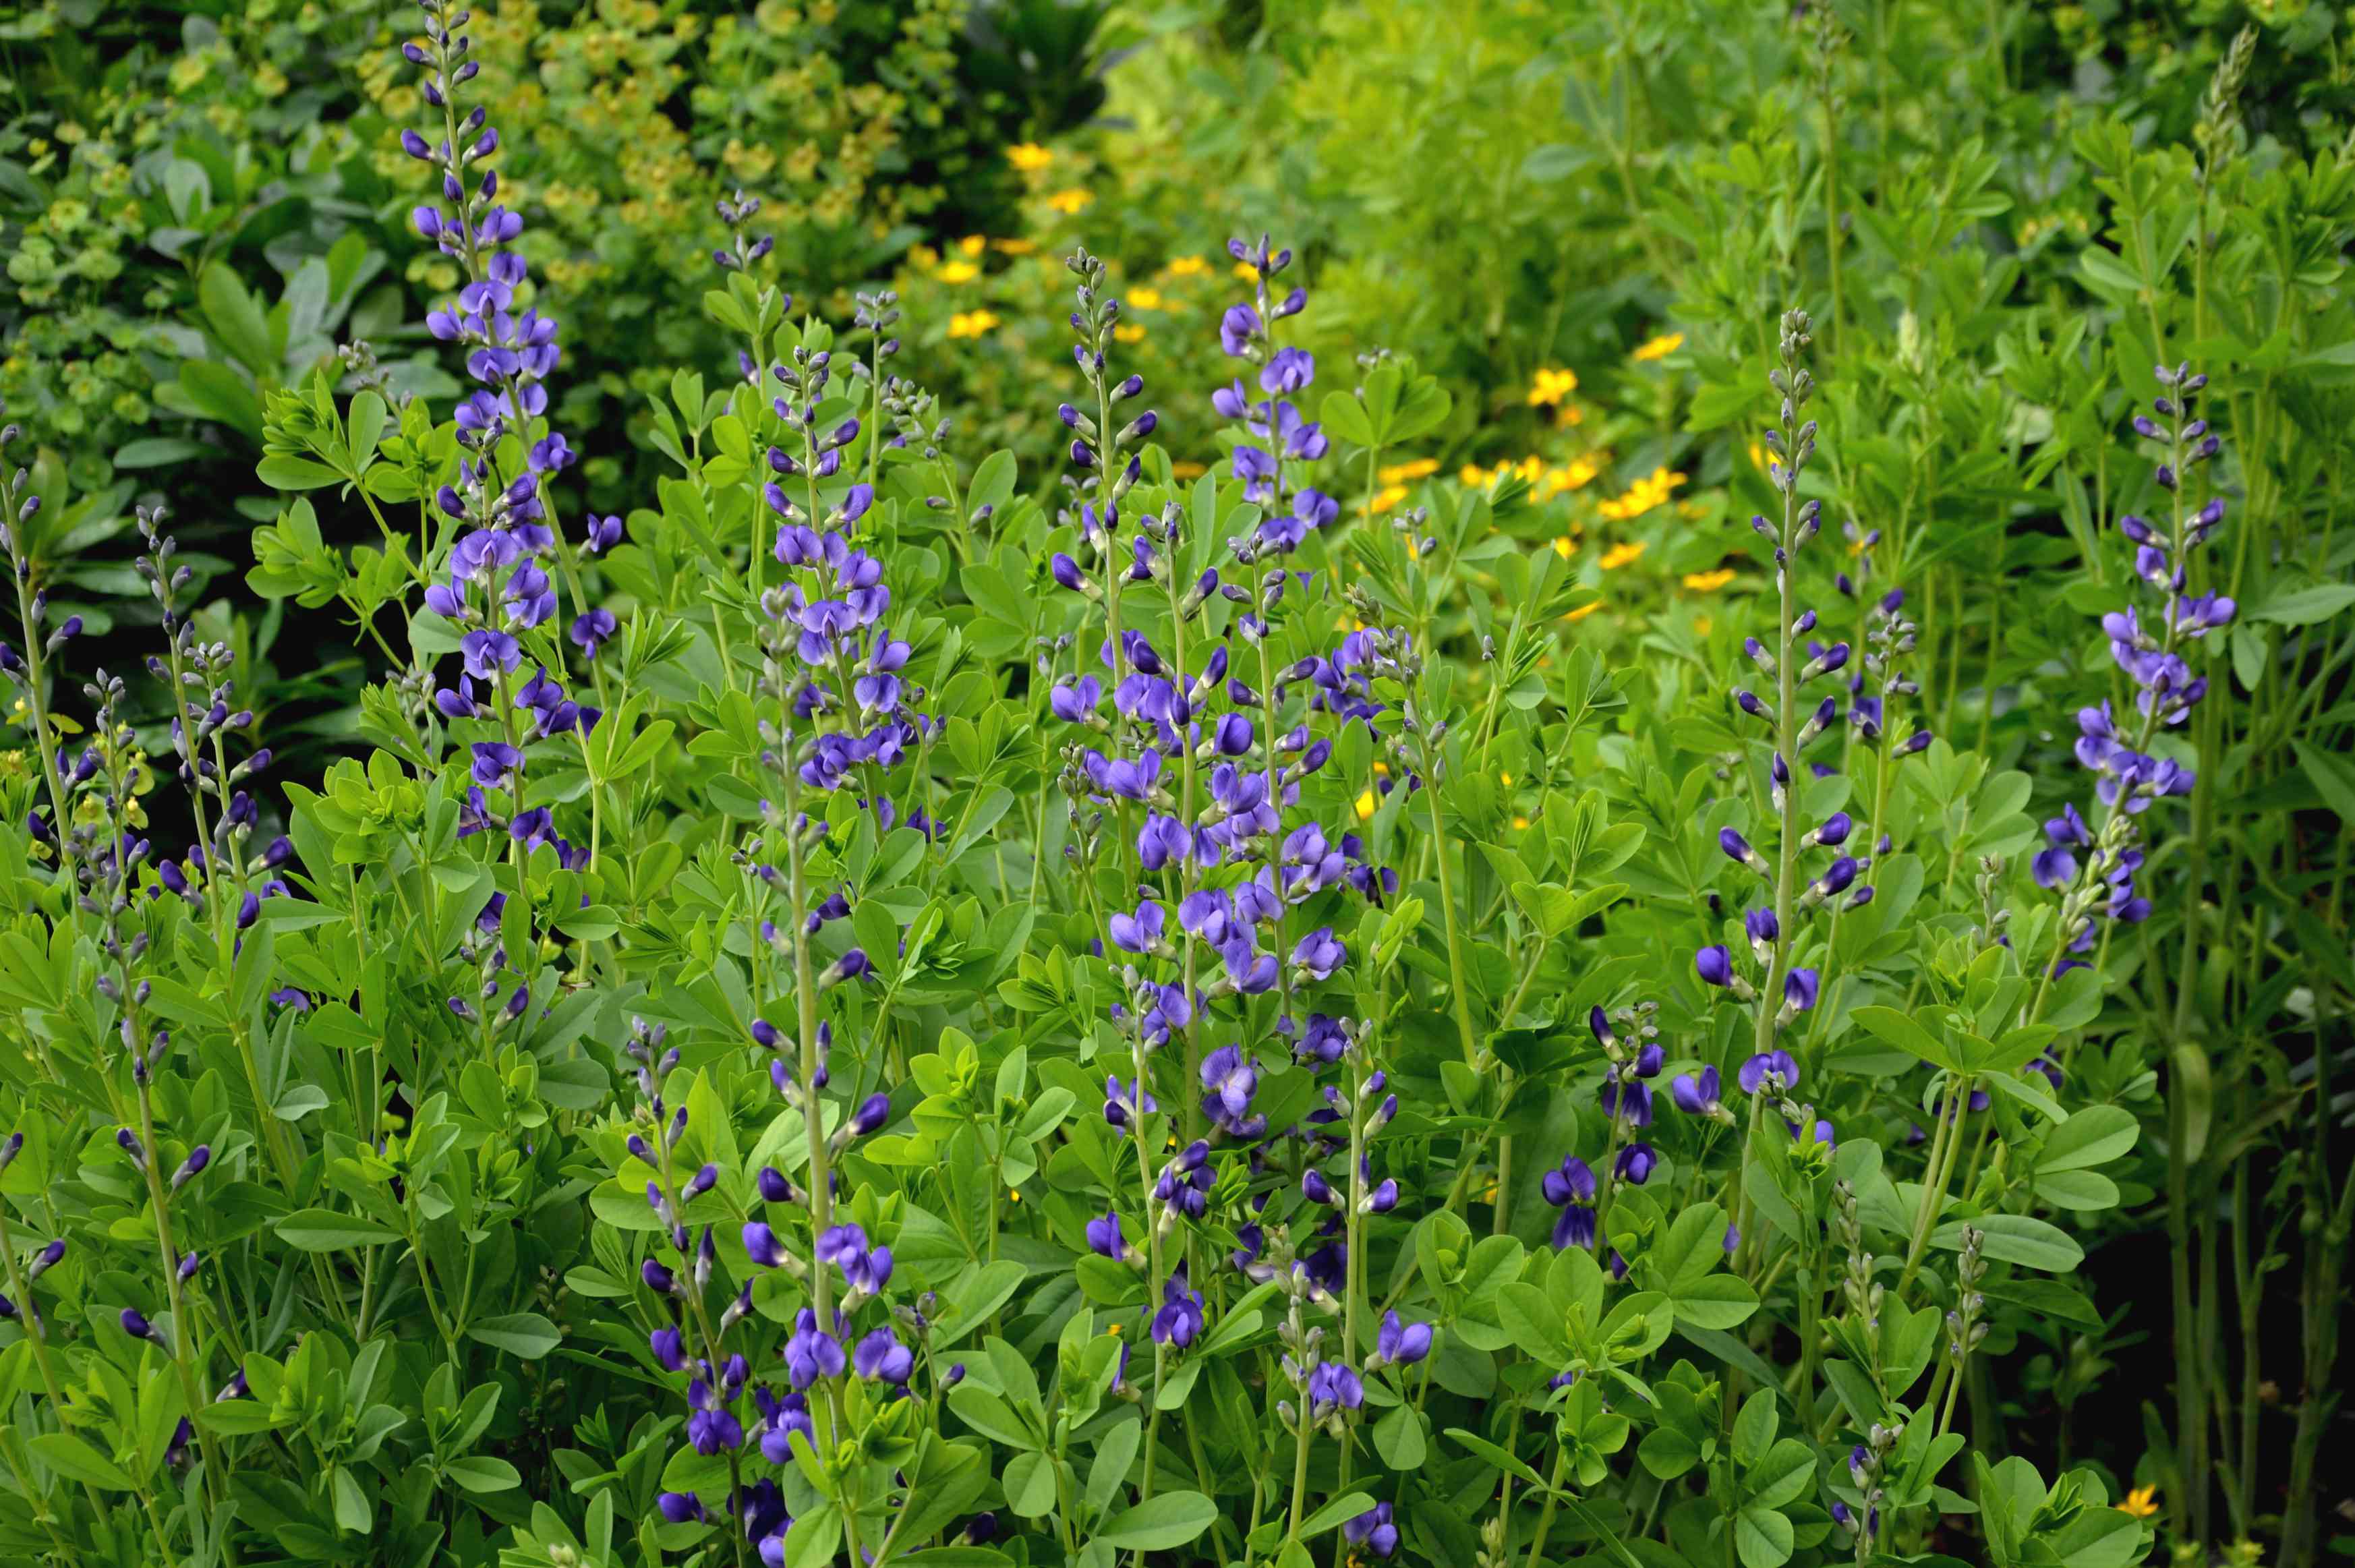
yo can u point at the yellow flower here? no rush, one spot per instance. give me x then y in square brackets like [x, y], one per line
[972, 322]
[1565, 547]
[1186, 468]
[1068, 202]
[1708, 581]
[974, 244]
[958, 273]
[1583, 610]
[2141, 1502]
[1576, 474]
[1246, 271]
[1551, 387]
[1473, 476]
[1145, 299]
[1028, 156]
[1400, 473]
[1620, 555]
[1015, 247]
[1385, 499]
[1129, 332]
[1366, 803]
[1642, 496]
[1187, 267]
[1659, 347]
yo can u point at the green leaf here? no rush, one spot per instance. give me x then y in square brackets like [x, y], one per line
[523, 1334]
[1345, 416]
[1787, 1471]
[1755, 1427]
[77, 1461]
[1530, 1316]
[1030, 1485]
[1499, 1458]
[2094, 1136]
[2333, 778]
[325, 1230]
[236, 318]
[1762, 1537]
[283, 473]
[990, 1415]
[2305, 606]
[2016, 1239]
[1334, 1513]
[481, 1473]
[1400, 1438]
[1168, 1520]
[1899, 1029]
[1715, 1301]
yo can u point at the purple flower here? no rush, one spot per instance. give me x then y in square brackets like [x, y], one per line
[1333, 1386]
[1229, 1080]
[1121, 1105]
[1770, 1071]
[1237, 328]
[1800, 988]
[1318, 954]
[1714, 964]
[1398, 1343]
[1373, 1530]
[1696, 1095]
[1180, 1317]
[1634, 1164]
[1104, 1238]
[1287, 371]
[1571, 1188]
[762, 1242]
[2056, 866]
[1138, 933]
[880, 1358]
[811, 1353]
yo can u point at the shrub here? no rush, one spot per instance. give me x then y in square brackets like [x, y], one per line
[890, 1002]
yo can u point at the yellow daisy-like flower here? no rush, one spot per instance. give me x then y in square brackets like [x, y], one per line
[1620, 555]
[958, 273]
[1068, 202]
[972, 322]
[1474, 477]
[1146, 299]
[1012, 246]
[2141, 1502]
[1551, 387]
[1186, 468]
[1659, 347]
[1187, 267]
[1708, 581]
[1129, 332]
[1389, 496]
[1402, 472]
[1246, 271]
[1566, 546]
[1366, 803]
[1583, 610]
[974, 244]
[1028, 156]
